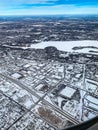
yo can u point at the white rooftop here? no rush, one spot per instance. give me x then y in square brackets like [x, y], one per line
[27, 65]
[67, 92]
[16, 75]
[92, 99]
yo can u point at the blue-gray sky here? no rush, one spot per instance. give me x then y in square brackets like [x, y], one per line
[48, 7]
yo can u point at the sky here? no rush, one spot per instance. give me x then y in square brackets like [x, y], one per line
[48, 7]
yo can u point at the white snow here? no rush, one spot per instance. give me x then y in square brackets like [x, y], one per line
[67, 92]
[27, 65]
[68, 45]
[93, 106]
[91, 85]
[16, 75]
[28, 103]
[92, 100]
[39, 87]
[65, 46]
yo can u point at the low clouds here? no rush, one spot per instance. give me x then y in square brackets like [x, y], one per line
[37, 7]
[9, 3]
[17, 2]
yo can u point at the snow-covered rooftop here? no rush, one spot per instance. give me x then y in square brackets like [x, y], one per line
[92, 99]
[67, 92]
[16, 75]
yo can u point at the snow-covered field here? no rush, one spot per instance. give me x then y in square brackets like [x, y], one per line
[68, 45]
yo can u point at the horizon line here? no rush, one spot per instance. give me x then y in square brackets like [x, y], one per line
[46, 14]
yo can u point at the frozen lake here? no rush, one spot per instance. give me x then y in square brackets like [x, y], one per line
[68, 45]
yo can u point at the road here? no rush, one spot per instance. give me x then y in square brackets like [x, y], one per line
[69, 117]
[20, 85]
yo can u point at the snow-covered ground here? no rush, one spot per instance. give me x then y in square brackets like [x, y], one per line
[68, 45]
[65, 46]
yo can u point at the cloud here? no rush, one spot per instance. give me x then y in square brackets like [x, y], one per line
[11, 4]
[52, 10]
[40, 7]
[17, 2]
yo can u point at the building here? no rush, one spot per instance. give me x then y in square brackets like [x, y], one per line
[17, 75]
[91, 102]
[67, 92]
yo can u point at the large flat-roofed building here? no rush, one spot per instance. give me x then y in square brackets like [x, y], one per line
[17, 76]
[67, 92]
[91, 85]
[91, 102]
